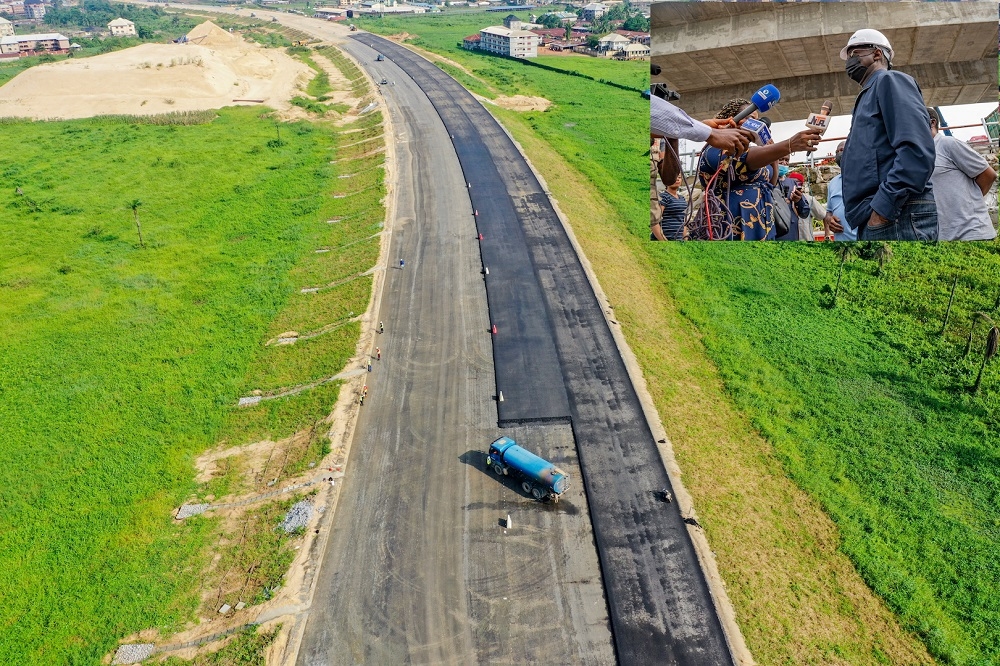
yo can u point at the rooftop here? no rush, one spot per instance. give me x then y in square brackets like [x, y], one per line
[15, 39]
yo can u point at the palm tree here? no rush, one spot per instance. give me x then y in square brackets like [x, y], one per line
[134, 205]
[883, 255]
[845, 252]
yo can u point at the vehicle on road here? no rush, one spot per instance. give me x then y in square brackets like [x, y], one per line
[383, 82]
[539, 478]
[353, 28]
[379, 58]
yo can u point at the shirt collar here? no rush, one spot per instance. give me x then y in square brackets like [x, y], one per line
[877, 74]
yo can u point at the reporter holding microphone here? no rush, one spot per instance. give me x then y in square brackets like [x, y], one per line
[747, 192]
[668, 122]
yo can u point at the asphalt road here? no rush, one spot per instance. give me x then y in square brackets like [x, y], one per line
[418, 568]
[661, 608]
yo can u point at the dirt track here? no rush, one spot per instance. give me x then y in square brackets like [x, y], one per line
[208, 73]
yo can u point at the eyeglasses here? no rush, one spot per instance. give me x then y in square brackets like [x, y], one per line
[854, 51]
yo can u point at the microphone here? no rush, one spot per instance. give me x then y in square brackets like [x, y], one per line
[765, 120]
[820, 121]
[762, 101]
[759, 129]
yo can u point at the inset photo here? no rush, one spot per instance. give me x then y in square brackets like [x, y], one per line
[815, 121]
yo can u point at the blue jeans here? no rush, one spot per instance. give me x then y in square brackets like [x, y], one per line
[917, 222]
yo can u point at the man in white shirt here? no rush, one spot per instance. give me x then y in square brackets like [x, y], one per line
[962, 178]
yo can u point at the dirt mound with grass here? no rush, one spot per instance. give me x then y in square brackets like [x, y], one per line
[214, 71]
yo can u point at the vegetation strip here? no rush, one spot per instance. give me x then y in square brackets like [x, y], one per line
[167, 337]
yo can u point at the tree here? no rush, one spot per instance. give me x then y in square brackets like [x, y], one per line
[636, 22]
[569, 36]
[883, 255]
[845, 252]
[134, 205]
[143, 32]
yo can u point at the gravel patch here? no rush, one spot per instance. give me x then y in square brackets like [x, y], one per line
[249, 401]
[134, 653]
[298, 516]
[188, 510]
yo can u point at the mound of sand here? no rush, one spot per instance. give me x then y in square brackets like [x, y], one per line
[209, 34]
[156, 78]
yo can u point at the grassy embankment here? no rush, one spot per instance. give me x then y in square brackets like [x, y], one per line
[785, 414]
[123, 362]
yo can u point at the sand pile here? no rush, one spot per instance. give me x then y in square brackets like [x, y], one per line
[209, 34]
[157, 78]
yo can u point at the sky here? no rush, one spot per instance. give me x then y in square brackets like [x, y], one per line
[964, 114]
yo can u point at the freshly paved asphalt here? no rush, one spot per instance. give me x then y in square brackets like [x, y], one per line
[661, 608]
[418, 568]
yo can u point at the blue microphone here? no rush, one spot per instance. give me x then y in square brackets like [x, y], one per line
[762, 101]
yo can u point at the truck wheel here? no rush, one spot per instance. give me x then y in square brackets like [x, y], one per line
[526, 486]
[537, 492]
[498, 469]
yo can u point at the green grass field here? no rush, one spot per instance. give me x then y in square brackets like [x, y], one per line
[868, 408]
[122, 363]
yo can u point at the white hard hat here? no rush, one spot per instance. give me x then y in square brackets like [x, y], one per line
[867, 36]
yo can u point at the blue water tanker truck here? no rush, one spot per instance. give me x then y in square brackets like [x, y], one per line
[540, 478]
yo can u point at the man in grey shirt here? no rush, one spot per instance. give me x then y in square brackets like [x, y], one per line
[962, 178]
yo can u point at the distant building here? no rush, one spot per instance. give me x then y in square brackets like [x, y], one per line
[594, 11]
[35, 11]
[611, 42]
[471, 42]
[122, 28]
[634, 36]
[548, 35]
[632, 52]
[513, 43]
[19, 45]
[564, 45]
[6, 27]
[512, 22]
[329, 12]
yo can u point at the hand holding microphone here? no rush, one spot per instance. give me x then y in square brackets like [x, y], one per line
[820, 121]
[762, 101]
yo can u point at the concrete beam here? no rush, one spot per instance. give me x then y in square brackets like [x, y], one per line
[954, 83]
[711, 52]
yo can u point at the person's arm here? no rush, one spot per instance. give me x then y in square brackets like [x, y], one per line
[835, 217]
[666, 120]
[759, 156]
[802, 206]
[816, 209]
[986, 179]
[906, 126]
[971, 163]
[669, 121]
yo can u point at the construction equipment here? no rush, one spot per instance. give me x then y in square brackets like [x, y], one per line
[539, 478]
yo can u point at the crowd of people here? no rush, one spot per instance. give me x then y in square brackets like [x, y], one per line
[900, 177]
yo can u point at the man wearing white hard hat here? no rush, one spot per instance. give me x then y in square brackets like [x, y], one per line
[889, 156]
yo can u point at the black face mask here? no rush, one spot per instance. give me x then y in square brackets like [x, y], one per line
[855, 69]
[837, 158]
